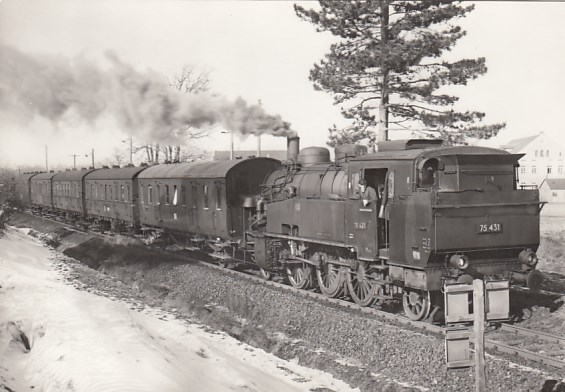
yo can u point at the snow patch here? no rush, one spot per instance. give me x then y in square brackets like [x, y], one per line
[79, 341]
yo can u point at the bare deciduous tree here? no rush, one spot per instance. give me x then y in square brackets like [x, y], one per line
[189, 80]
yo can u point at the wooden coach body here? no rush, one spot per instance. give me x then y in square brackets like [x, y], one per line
[204, 198]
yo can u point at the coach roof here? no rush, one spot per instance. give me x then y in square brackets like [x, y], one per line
[122, 173]
[201, 169]
[71, 175]
[44, 176]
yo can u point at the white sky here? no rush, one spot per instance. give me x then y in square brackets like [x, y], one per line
[262, 50]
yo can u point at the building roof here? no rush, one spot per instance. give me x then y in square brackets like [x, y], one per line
[276, 154]
[554, 183]
[517, 145]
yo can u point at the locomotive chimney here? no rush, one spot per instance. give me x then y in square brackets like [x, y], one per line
[292, 148]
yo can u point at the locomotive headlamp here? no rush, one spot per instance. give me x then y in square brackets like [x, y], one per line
[459, 261]
[528, 257]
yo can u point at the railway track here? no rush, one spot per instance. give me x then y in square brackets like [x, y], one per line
[504, 347]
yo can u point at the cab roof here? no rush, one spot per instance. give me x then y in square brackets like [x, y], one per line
[413, 154]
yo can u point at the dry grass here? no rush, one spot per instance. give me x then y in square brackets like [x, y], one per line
[552, 246]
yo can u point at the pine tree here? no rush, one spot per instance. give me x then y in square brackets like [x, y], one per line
[386, 69]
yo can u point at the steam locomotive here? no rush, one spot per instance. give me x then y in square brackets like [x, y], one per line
[441, 215]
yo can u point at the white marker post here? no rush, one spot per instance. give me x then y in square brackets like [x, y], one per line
[479, 327]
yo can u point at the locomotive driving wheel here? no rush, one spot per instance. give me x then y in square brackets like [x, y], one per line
[330, 277]
[416, 305]
[300, 275]
[361, 284]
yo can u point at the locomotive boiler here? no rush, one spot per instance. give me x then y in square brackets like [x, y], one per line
[441, 215]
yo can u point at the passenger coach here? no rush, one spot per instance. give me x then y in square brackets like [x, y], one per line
[202, 197]
[111, 197]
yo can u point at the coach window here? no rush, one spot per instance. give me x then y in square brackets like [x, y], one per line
[193, 195]
[167, 195]
[142, 193]
[128, 194]
[158, 195]
[150, 194]
[116, 192]
[175, 196]
[183, 195]
[205, 197]
[218, 196]
[122, 191]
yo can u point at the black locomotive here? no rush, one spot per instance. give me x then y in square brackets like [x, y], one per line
[433, 215]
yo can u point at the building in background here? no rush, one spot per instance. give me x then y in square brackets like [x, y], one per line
[552, 190]
[543, 159]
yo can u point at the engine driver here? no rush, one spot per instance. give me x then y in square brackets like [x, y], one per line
[368, 194]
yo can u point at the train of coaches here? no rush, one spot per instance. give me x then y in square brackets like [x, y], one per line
[441, 215]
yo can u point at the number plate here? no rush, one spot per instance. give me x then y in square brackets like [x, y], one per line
[489, 228]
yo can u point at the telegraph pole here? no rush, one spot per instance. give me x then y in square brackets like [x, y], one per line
[130, 139]
[46, 160]
[75, 158]
[259, 138]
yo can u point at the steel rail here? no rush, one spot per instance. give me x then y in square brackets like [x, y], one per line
[559, 364]
[529, 332]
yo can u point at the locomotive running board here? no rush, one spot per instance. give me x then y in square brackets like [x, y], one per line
[317, 241]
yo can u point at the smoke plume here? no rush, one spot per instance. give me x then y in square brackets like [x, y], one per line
[142, 103]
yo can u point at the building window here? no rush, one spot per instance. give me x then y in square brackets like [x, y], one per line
[549, 170]
[533, 170]
[536, 153]
[523, 170]
[541, 153]
[560, 169]
[547, 153]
